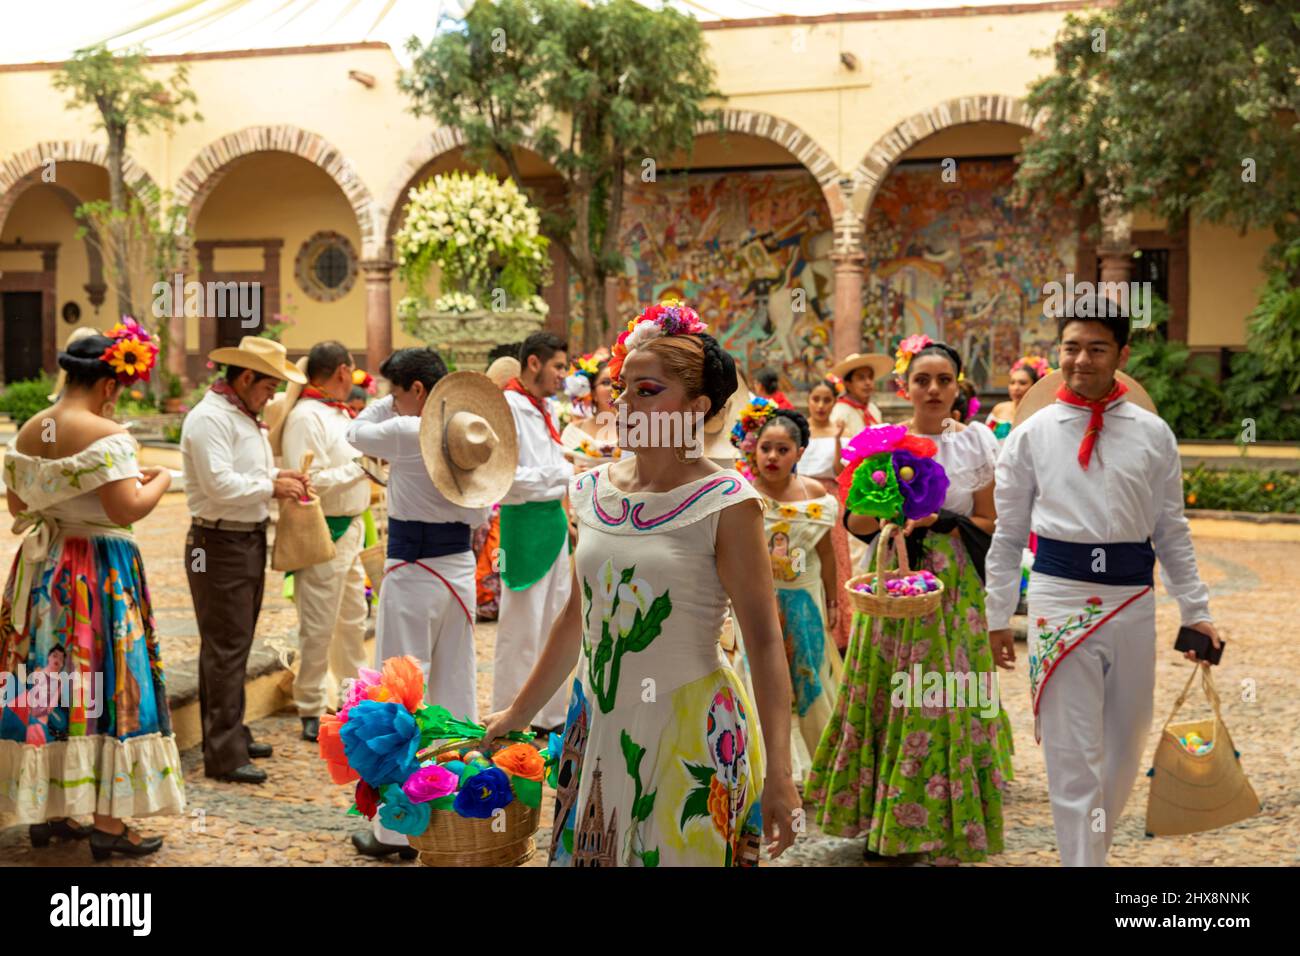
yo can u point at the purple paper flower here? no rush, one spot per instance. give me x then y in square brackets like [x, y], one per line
[924, 491]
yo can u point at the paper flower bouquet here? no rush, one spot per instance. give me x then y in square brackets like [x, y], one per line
[425, 773]
[892, 476]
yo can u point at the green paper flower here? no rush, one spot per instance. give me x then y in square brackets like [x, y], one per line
[868, 498]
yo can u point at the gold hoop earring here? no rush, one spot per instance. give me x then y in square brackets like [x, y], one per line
[106, 410]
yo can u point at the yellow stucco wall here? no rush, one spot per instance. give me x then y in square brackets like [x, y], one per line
[1224, 279]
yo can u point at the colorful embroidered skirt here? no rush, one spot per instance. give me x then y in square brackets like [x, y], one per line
[84, 724]
[918, 751]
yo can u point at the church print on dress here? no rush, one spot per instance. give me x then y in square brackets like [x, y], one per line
[569, 776]
[638, 614]
[596, 844]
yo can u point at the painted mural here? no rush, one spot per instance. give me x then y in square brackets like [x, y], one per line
[749, 250]
[954, 260]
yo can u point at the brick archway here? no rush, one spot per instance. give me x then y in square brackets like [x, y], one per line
[23, 170]
[442, 140]
[208, 168]
[886, 151]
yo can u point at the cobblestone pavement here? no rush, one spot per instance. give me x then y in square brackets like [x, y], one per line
[299, 818]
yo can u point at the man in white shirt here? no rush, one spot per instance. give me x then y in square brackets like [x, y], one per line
[1099, 480]
[230, 479]
[534, 561]
[426, 601]
[330, 596]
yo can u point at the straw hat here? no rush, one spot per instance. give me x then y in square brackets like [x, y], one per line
[717, 430]
[61, 381]
[1043, 393]
[503, 370]
[260, 355]
[277, 410]
[468, 440]
[879, 363]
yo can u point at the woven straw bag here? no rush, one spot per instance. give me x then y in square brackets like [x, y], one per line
[453, 840]
[881, 603]
[1191, 793]
[302, 538]
[372, 559]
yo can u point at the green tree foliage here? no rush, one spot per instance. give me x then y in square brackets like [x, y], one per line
[129, 101]
[599, 89]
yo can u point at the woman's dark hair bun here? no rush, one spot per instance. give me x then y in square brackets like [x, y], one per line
[938, 348]
[793, 422]
[719, 374]
[81, 360]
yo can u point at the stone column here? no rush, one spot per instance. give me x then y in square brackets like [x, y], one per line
[847, 330]
[379, 311]
[1116, 247]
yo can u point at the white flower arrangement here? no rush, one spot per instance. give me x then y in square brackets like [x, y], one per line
[456, 302]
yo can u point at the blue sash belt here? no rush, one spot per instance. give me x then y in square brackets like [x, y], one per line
[414, 540]
[1124, 562]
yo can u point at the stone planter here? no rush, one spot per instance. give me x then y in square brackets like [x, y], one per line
[468, 336]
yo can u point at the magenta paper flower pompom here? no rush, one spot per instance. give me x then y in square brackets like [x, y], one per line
[430, 783]
[872, 441]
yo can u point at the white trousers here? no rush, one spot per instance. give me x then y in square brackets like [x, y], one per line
[1095, 715]
[523, 626]
[331, 601]
[419, 616]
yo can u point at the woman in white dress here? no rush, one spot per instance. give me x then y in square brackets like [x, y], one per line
[662, 762]
[93, 733]
[591, 439]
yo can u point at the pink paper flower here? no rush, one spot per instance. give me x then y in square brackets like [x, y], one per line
[430, 783]
[872, 441]
[357, 689]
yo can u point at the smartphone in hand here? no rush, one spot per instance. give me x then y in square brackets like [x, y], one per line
[1190, 639]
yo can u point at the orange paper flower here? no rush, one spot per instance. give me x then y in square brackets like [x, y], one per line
[404, 681]
[521, 760]
[331, 750]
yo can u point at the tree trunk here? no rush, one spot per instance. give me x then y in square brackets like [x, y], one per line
[117, 196]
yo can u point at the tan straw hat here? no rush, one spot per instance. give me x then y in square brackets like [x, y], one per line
[1043, 393]
[503, 370]
[277, 410]
[260, 355]
[717, 430]
[468, 440]
[881, 364]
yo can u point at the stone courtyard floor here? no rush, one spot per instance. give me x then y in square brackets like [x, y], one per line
[300, 818]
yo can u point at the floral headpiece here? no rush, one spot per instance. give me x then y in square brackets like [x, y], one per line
[670, 317]
[133, 352]
[744, 434]
[836, 383]
[1039, 366]
[581, 380]
[903, 356]
[363, 378]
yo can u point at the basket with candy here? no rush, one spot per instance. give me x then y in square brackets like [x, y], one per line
[893, 476]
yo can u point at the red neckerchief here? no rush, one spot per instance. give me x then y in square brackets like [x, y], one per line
[1098, 409]
[864, 409]
[222, 387]
[514, 385]
[312, 392]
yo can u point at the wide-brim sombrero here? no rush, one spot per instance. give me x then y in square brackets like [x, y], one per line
[276, 412]
[879, 363]
[1043, 393]
[475, 393]
[717, 430]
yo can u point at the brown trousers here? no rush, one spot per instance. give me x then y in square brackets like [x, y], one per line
[227, 573]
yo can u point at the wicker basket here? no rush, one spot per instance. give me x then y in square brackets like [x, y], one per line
[453, 840]
[881, 603]
[372, 559]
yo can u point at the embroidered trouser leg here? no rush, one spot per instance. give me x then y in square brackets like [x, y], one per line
[331, 601]
[419, 616]
[1095, 715]
[522, 629]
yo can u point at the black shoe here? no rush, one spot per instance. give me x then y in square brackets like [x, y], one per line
[103, 845]
[259, 750]
[65, 829]
[311, 728]
[245, 774]
[367, 844]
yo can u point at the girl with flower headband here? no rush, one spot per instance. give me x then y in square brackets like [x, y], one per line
[591, 439]
[666, 539]
[76, 486]
[920, 775]
[801, 512]
[1024, 373]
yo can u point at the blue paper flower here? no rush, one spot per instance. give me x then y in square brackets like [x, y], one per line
[483, 794]
[400, 814]
[380, 740]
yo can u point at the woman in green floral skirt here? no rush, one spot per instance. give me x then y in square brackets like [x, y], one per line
[918, 752]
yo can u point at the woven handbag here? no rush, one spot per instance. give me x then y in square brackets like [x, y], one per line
[881, 603]
[1192, 793]
[302, 537]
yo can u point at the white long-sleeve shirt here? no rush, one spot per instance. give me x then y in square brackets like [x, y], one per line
[543, 472]
[227, 461]
[1132, 490]
[381, 432]
[321, 429]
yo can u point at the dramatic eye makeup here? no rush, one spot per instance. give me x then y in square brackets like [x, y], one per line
[648, 387]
